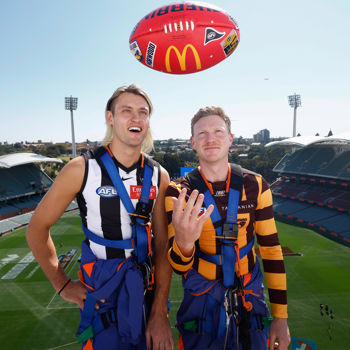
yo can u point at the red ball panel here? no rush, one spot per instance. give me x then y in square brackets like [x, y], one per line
[184, 37]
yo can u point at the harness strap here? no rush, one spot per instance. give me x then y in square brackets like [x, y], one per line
[81, 279]
[99, 323]
[217, 258]
[247, 304]
[227, 249]
[206, 325]
[120, 244]
[140, 216]
[117, 182]
[228, 232]
[149, 238]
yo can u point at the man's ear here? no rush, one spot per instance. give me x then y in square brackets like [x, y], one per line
[192, 142]
[109, 117]
[231, 138]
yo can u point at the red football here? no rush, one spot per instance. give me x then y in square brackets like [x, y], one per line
[184, 37]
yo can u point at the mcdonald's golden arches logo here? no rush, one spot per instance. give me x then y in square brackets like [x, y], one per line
[182, 57]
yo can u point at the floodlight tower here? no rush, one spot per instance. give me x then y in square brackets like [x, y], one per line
[71, 105]
[294, 102]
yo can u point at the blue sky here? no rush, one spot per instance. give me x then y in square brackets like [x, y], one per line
[53, 49]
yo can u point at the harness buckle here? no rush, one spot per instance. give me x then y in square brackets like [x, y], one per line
[141, 216]
[230, 230]
[227, 303]
[231, 304]
[231, 310]
[108, 318]
[146, 269]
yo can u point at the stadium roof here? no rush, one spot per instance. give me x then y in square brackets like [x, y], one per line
[303, 141]
[298, 141]
[336, 139]
[15, 159]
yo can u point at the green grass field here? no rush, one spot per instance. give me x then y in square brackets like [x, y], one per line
[33, 317]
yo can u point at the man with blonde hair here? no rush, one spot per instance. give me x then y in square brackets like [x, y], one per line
[124, 279]
[214, 213]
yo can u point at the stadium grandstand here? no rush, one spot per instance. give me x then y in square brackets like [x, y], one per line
[313, 187]
[22, 185]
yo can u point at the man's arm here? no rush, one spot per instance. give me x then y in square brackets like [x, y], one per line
[158, 333]
[272, 258]
[49, 210]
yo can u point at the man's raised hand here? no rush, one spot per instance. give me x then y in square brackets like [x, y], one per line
[186, 220]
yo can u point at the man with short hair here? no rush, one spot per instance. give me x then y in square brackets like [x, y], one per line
[214, 213]
[120, 193]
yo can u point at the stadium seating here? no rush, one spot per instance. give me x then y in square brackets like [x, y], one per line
[314, 188]
[315, 214]
[325, 207]
[319, 158]
[289, 207]
[25, 179]
[22, 188]
[338, 223]
[6, 226]
[290, 188]
[339, 203]
[325, 161]
[7, 208]
[295, 160]
[22, 220]
[341, 162]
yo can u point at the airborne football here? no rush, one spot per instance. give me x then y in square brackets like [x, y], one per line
[184, 37]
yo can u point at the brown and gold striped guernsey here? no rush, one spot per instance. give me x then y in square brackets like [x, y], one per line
[255, 216]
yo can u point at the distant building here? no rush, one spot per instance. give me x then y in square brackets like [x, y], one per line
[262, 136]
[243, 156]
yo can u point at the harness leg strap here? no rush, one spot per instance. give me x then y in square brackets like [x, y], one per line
[85, 330]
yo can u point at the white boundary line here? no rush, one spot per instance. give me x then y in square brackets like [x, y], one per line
[69, 267]
[74, 306]
[47, 306]
[63, 346]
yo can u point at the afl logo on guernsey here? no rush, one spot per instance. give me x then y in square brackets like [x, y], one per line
[202, 211]
[106, 191]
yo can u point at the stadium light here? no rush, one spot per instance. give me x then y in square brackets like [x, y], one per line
[71, 104]
[294, 102]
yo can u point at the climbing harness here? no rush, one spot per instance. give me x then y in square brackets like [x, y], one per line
[139, 265]
[226, 232]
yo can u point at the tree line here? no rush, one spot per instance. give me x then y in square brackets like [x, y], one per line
[259, 159]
